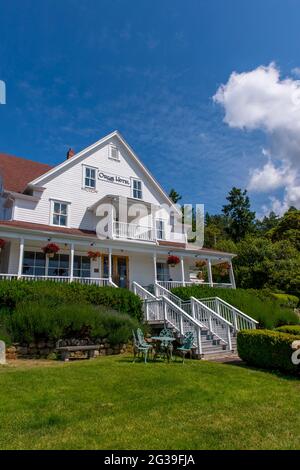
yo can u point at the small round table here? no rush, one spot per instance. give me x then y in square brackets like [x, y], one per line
[166, 343]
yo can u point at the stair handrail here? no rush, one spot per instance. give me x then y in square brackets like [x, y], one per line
[142, 292]
[167, 293]
[229, 326]
[251, 321]
[197, 324]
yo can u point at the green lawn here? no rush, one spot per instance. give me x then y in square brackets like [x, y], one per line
[110, 403]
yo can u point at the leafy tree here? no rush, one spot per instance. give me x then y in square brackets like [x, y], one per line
[288, 228]
[267, 223]
[240, 217]
[174, 196]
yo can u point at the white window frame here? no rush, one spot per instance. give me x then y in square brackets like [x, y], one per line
[161, 229]
[134, 189]
[110, 154]
[67, 215]
[84, 185]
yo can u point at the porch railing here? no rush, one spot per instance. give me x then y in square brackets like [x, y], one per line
[171, 284]
[60, 279]
[133, 231]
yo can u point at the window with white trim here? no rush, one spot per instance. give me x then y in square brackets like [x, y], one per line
[89, 177]
[160, 229]
[137, 192]
[114, 152]
[60, 213]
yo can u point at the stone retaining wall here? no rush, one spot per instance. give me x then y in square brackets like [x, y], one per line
[45, 349]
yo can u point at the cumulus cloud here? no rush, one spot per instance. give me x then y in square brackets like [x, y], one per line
[262, 100]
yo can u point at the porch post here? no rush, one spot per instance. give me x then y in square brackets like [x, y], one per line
[71, 268]
[182, 271]
[155, 268]
[110, 264]
[231, 275]
[21, 255]
[209, 272]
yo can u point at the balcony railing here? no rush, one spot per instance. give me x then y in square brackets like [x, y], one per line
[133, 231]
[65, 279]
[171, 284]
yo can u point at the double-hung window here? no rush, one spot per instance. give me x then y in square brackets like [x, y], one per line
[160, 229]
[60, 213]
[137, 191]
[89, 177]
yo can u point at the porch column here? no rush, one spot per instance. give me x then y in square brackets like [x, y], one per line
[231, 275]
[209, 272]
[110, 264]
[21, 255]
[71, 266]
[155, 268]
[182, 271]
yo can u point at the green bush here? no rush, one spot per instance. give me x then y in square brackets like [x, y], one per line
[267, 311]
[290, 329]
[122, 300]
[267, 349]
[33, 321]
[286, 300]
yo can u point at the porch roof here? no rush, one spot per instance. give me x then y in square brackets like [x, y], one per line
[47, 228]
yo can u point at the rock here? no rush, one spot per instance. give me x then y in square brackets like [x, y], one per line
[109, 351]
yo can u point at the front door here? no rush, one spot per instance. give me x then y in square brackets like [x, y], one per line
[120, 271]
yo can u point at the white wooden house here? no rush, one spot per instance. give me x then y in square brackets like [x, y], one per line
[79, 205]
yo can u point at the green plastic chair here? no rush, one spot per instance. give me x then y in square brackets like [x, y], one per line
[140, 348]
[187, 345]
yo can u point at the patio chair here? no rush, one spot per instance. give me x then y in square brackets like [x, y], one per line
[187, 345]
[139, 348]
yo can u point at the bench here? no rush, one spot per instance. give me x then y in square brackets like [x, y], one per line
[66, 346]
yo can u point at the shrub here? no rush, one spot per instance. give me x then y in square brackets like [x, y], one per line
[267, 311]
[267, 349]
[122, 300]
[287, 300]
[290, 329]
[34, 321]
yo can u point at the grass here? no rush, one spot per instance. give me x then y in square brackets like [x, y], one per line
[110, 403]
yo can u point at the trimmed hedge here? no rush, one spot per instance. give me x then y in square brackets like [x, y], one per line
[290, 329]
[122, 300]
[267, 349]
[34, 321]
[263, 308]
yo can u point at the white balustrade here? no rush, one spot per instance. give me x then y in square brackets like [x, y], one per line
[133, 231]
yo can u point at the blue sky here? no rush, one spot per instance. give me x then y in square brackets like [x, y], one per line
[76, 70]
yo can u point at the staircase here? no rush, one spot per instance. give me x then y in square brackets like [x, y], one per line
[214, 322]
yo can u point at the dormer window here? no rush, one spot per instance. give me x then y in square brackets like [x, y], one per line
[137, 192]
[114, 152]
[89, 177]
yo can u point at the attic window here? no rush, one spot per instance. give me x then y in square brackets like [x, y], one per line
[114, 152]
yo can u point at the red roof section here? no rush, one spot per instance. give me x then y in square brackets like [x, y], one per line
[17, 172]
[47, 228]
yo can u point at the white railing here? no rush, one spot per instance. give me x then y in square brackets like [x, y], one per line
[59, 279]
[217, 325]
[142, 292]
[161, 291]
[133, 231]
[171, 284]
[238, 319]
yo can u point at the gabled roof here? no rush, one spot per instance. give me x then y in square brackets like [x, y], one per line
[77, 156]
[17, 172]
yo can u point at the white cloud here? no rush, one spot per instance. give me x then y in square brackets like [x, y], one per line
[261, 100]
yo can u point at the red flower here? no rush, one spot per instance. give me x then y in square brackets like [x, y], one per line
[173, 260]
[94, 254]
[51, 248]
[2, 243]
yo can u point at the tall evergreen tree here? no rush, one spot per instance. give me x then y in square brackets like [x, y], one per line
[240, 218]
[174, 196]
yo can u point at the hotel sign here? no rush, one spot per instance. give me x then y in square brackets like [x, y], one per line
[115, 179]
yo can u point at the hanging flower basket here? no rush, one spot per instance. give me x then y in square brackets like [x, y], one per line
[94, 255]
[173, 260]
[200, 264]
[51, 249]
[2, 243]
[223, 268]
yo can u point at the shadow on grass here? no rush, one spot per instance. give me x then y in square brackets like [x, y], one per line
[277, 373]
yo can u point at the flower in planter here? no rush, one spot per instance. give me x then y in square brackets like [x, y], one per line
[94, 255]
[2, 243]
[200, 264]
[223, 268]
[51, 249]
[173, 260]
